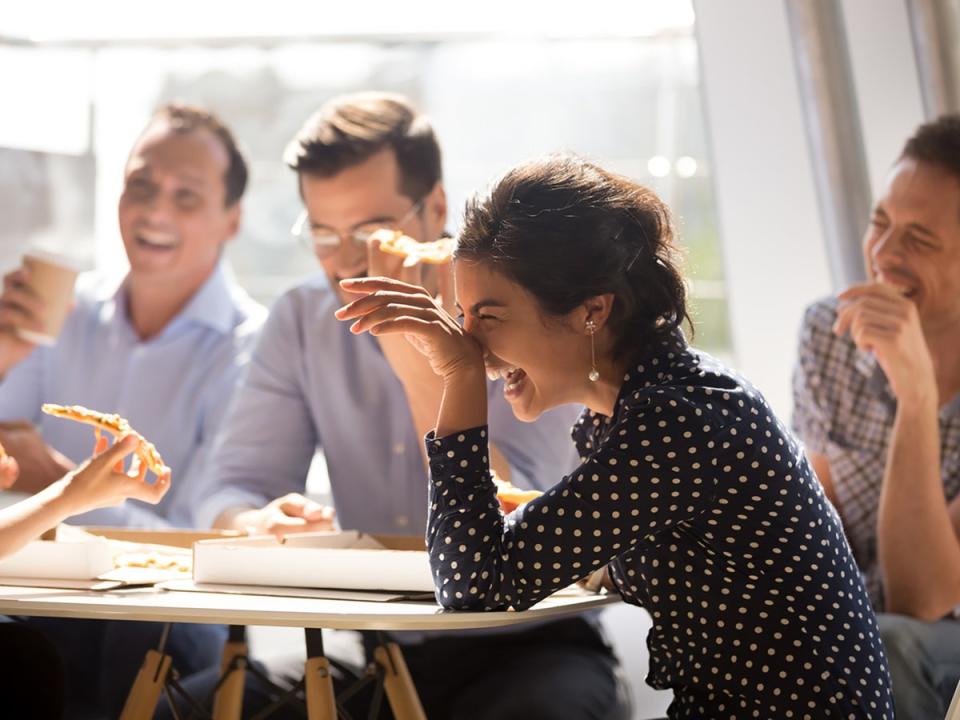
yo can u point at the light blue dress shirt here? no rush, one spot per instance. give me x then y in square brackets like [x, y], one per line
[312, 383]
[174, 388]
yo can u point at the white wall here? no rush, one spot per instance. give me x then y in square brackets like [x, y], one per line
[767, 204]
[773, 244]
[886, 79]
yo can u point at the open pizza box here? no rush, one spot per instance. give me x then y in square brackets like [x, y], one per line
[103, 558]
[321, 564]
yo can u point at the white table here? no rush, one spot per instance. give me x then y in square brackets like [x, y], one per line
[310, 613]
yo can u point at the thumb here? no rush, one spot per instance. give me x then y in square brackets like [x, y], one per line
[294, 506]
[315, 512]
[9, 471]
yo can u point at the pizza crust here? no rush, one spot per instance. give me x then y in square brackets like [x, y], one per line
[113, 424]
[512, 497]
[154, 559]
[437, 252]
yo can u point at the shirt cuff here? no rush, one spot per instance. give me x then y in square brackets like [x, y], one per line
[228, 498]
[461, 457]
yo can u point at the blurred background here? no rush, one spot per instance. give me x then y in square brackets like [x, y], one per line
[767, 125]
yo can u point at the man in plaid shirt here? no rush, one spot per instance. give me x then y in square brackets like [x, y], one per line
[877, 402]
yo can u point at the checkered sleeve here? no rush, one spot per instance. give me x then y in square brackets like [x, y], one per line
[811, 416]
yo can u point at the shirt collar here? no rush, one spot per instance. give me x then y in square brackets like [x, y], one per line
[657, 364]
[212, 305]
[653, 366]
[866, 364]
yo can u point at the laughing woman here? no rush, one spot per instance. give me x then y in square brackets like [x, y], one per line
[691, 493]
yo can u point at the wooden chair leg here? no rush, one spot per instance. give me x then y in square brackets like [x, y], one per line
[151, 678]
[228, 702]
[401, 693]
[318, 682]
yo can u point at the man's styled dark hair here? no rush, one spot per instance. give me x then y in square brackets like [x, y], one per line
[184, 118]
[937, 143]
[349, 129]
[567, 230]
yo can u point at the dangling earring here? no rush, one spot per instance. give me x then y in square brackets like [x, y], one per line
[594, 375]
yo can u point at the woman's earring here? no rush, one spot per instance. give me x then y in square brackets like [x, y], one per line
[594, 375]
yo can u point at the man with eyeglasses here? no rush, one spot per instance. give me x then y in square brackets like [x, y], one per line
[364, 162]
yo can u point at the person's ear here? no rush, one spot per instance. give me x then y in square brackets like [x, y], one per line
[596, 310]
[435, 210]
[234, 216]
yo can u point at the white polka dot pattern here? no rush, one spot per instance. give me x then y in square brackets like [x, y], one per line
[709, 516]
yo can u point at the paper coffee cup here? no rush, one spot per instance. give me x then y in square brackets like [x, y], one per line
[51, 277]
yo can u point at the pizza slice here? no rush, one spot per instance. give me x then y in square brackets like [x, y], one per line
[437, 252]
[113, 424]
[511, 497]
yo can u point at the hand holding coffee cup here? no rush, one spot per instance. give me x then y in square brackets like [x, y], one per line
[36, 300]
[19, 307]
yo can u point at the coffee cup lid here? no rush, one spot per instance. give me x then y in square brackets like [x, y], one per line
[70, 262]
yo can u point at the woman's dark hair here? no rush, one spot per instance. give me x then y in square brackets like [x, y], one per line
[567, 230]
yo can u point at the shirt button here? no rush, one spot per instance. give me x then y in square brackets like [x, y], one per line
[402, 520]
[399, 448]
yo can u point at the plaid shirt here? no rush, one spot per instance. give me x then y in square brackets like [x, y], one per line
[844, 409]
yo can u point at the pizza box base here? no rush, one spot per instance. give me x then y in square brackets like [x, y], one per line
[84, 555]
[347, 560]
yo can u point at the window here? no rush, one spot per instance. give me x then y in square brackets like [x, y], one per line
[629, 100]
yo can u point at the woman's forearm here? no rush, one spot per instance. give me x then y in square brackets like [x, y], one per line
[30, 518]
[464, 402]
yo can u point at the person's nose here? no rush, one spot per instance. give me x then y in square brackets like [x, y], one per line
[473, 328]
[886, 245]
[350, 254]
[158, 209]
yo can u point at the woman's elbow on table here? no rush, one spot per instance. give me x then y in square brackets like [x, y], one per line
[452, 595]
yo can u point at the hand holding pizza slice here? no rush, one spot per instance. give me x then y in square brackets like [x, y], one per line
[117, 426]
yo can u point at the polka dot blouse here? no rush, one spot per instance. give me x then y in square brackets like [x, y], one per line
[709, 517]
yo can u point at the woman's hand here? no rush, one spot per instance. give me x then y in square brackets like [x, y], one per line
[392, 306]
[101, 481]
[9, 471]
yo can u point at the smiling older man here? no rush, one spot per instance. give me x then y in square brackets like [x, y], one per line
[165, 350]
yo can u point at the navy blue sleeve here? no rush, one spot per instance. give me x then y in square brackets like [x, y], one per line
[655, 467]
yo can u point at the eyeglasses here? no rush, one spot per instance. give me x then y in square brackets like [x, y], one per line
[324, 241]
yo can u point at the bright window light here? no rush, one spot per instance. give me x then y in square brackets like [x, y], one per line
[685, 167]
[658, 166]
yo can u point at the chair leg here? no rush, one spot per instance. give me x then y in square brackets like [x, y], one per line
[953, 712]
[401, 692]
[318, 682]
[228, 702]
[151, 678]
